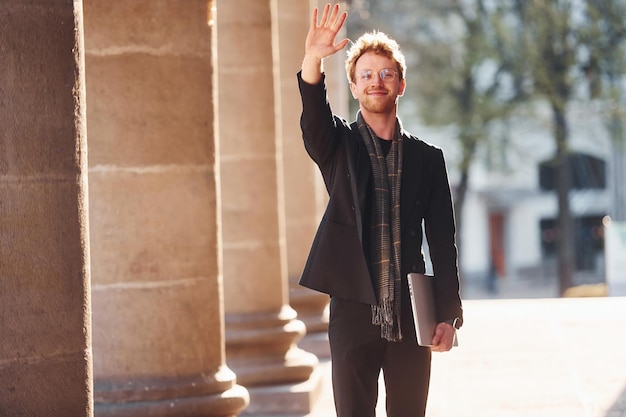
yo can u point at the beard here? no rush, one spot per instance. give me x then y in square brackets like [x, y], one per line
[378, 104]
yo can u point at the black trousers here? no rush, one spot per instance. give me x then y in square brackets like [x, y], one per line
[358, 354]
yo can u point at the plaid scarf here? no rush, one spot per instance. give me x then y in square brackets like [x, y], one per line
[385, 229]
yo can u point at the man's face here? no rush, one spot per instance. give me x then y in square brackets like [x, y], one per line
[376, 95]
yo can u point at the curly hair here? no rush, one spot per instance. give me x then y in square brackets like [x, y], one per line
[378, 43]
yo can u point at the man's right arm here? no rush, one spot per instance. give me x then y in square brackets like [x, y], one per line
[311, 69]
[320, 42]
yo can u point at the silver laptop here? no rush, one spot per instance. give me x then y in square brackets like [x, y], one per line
[423, 306]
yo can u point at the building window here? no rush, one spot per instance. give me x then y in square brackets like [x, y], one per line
[586, 172]
[588, 240]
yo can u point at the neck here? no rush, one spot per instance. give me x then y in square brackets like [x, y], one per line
[382, 124]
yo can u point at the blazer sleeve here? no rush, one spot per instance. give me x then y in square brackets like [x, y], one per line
[440, 232]
[336, 263]
[321, 130]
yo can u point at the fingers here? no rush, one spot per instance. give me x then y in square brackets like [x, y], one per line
[333, 16]
[314, 18]
[339, 22]
[436, 338]
[436, 348]
[436, 343]
[443, 338]
[325, 15]
[441, 347]
[342, 44]
[336, 20]
[330, 18]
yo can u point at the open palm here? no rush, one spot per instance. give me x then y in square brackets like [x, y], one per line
[320, 41]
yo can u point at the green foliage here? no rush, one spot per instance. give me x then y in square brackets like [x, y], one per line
[474, 63]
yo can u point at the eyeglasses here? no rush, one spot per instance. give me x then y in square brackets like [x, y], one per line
[385, 74]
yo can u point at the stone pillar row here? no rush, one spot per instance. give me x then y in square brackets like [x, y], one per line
[200, 207]
[262, 330]
[158, 330]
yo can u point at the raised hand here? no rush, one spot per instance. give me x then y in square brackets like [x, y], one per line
[320, 41]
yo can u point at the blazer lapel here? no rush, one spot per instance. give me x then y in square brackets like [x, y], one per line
[411, 177]
[358, 167]
[364, 171]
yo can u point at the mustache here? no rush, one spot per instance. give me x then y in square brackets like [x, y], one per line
[376, 90]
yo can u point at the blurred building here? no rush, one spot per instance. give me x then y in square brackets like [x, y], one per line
[511, 207]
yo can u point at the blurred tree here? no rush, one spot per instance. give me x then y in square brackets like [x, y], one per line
[460, 55]
[551, 42]
[567, 44]
[467, 77]
[605, 68]
[476, 61]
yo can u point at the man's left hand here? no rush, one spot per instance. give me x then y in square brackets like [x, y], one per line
[443, 338]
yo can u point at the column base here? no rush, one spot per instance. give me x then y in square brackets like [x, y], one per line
[202, 395]
[317, 343]
[312, 307]
[262, 348]
[287, 399]
[225, 404]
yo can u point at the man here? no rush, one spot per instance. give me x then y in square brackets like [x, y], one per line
[382, 183]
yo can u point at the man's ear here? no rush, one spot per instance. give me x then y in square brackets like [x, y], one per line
[402, 87]
[353, 90]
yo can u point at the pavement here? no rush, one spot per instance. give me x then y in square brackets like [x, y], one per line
[523, 354]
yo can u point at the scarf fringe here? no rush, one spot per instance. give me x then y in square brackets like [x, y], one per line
[383, 315]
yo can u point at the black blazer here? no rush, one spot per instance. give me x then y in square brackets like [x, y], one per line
[337, 264]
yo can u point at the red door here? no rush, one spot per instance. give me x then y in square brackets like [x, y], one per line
[496, 239]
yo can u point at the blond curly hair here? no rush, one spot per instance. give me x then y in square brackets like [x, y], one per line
[379, 43]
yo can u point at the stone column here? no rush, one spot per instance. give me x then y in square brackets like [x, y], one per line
[300, 173]
[45, 334]
[261, 328]
[157, 306]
